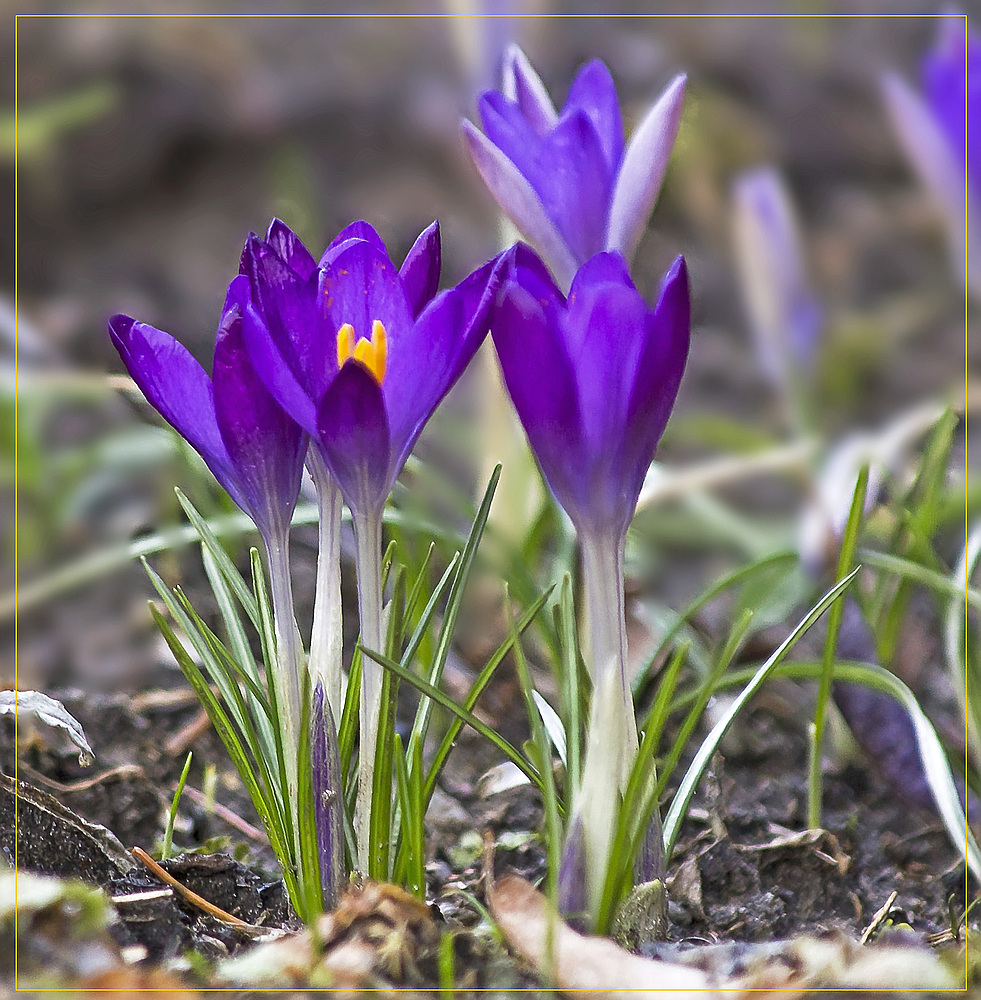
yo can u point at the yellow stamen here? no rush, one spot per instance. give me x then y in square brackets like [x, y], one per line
[372, 354]
[345, 344]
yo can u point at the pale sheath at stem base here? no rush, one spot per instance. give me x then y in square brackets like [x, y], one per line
[368, 538]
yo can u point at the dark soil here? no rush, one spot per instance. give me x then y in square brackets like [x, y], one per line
[737, 874]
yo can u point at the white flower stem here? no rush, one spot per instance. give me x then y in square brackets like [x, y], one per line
[289, 667]
[368, 538]
[327, 637]
[612, 743]
[606, 624]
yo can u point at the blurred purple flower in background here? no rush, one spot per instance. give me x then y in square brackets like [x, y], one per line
[566, 179]
[940, 132]
[785, 315]
[593, 379]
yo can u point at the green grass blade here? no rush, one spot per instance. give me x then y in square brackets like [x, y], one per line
[476, 689]
[540, 738]
[309, 859]
[959, 651]
[235, 579]
[168, 840]
[679, 804]
[572, 695]
[846, 559]
[281, 844]
[420, 725]
[267, 635]
[706, 691]
[445, 701]
[348, 726]
[661, 709]
[718, 587]
[238, 642]
[940, 583]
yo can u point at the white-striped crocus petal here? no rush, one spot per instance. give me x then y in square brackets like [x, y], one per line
[645, 161]
[521, 84]
[930, 154]
[519, 202]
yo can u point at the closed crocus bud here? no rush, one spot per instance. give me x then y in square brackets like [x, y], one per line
[567, 179]
[784, 315]
[939, 127]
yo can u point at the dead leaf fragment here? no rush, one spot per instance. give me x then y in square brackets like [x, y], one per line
[594, 967]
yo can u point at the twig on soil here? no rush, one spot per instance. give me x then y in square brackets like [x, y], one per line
[123, 771]
[878, 918]
[487, 875]
[192, 897]
[162, 698]
[226, 814]
[180, 742]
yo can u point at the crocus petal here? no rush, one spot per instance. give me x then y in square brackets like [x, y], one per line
[354, 437]
[952, 76]
[267, 359]
[659, 371]
[928, 149]
[179, 388]
[567, 168]
[594, 93]
[433, 355]
[290, 308]
[359, 230]
[420, 269]
[605, 325]
[290, 248]
[265, 446]
[519, 202]
[542, 386]
[576, 183]
[642, 170]
[524, 86]
[361, 285]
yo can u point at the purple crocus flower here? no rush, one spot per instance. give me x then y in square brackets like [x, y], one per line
[357, 351]
[285, 332]
[593, 379]
[361, 353]
[567, 179]
[255, 451]
[253, 448]
[940, 132]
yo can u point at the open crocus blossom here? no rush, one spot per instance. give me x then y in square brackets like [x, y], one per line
[566, 179]
[255, 451]
[940, 132]
[593, 379]
[361, 353]
[285, 331]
